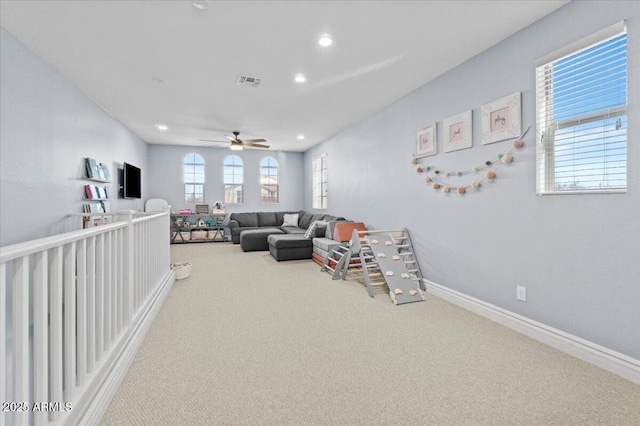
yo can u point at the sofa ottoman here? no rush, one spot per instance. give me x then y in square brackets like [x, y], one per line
[256, 239]
[289, 247]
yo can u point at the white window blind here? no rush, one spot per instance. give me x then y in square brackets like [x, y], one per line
[193, 168]
[581, 110]
[320, 182]
[233, 180]
[269, 189]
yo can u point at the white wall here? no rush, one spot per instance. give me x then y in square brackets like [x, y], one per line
[47, 127]
[165, 164]
[576, 254]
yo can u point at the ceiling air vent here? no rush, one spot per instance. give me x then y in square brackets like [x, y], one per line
[245, 80]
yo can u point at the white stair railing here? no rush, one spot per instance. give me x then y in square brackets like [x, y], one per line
[73, 306]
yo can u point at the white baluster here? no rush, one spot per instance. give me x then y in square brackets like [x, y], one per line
[127, 268]
[100, 259]
[3, 337]
[69, 321]
[20, 288]
[55, 328]
[41, 335]
[107, 291]
[112, 286]
[91, 304]
[81, 311]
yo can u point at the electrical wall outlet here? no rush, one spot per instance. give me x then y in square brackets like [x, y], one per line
[521, 293]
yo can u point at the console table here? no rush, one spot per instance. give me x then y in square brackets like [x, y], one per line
[212, 227]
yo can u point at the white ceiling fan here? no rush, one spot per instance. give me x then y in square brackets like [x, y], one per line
[238, 144]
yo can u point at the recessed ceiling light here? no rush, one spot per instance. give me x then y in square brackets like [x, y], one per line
[325, 40]
[300, 78]
[300, 137]
[201, 4]
[162, 127]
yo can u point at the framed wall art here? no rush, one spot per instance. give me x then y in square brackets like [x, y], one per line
[501, 119]
[458, 132]
[427, 141]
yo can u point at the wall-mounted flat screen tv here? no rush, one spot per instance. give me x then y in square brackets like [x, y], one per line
[132, 181]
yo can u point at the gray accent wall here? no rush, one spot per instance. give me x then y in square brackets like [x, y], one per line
[577, 255]
[47, 128]
[165, 164]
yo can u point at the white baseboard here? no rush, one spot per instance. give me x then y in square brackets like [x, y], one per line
[605, 358]
[105, 391]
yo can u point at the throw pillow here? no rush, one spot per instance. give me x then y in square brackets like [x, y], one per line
[290, 220]
[311, 230]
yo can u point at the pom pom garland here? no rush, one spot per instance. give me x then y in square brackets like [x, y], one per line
[436, 176]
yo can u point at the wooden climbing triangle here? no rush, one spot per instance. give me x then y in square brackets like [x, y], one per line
[385, 258]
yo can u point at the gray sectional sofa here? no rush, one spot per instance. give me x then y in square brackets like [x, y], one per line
[265, 231]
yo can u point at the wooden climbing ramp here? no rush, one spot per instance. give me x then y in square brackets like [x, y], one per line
[385, 258]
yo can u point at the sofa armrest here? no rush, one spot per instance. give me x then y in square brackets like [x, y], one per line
[233, 224]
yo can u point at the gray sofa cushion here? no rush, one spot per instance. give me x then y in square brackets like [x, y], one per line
[325, 244]
[267, 219]
[316, 229]
[292, 230]
[245, 219]
[256, 239]
[305, 219]
[288, 241]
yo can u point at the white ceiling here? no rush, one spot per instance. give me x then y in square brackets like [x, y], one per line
[115, 51]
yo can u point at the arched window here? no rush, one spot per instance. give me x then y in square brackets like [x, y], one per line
[233, 179]
[269, 180]
[193, 178]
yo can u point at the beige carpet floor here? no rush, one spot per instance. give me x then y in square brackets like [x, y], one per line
[246, 340]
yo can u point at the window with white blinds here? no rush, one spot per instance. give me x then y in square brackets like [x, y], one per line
[320, 182]
[193, 168]
[581, 110]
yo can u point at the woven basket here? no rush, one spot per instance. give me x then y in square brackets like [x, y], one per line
[182, 269]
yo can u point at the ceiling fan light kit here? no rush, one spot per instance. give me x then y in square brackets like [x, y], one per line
[238, 144]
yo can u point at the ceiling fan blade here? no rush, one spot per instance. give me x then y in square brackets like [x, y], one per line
[255, 140]
[212, 140]
[256, 145]
[232, 139]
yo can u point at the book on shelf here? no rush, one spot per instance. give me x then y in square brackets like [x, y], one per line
[106, 207]
[104, 171]
[89, 192]
[92, 168]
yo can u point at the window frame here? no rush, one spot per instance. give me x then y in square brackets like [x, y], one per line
[546, 127]
[228, 185]
[269, 168]
[319, 171]
[194, 183]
